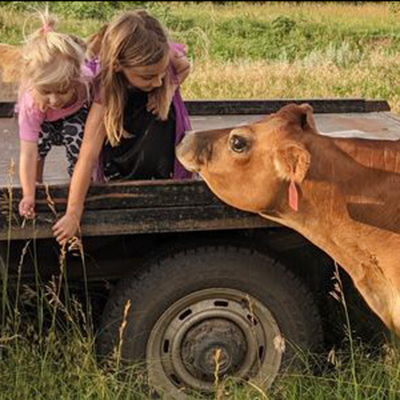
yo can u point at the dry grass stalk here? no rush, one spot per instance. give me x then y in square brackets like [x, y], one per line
[49, 200]
[219, 389]
[121, 331]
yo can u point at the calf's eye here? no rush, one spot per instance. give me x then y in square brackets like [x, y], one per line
[238, 144]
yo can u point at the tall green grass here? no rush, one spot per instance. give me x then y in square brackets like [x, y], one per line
[47, 336]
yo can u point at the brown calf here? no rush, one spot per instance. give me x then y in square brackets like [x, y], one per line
[341, 194]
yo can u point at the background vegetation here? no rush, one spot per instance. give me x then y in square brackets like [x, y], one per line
[255, 50]
[260, 49]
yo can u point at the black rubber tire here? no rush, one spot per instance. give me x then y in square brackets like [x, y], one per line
[172, 277]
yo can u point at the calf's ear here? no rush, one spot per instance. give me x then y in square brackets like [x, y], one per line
[292, 161]
[306, 116]
[301, 115]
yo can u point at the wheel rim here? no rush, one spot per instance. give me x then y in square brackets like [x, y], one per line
[213, 331]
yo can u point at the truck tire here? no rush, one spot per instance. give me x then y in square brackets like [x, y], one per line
[191, 303]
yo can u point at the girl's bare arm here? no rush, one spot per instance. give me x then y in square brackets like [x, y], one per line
[27, 175]
[92, 143]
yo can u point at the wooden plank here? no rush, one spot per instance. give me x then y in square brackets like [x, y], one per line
[139, 220]
[248, 107]
[129, 208]
[122, 195]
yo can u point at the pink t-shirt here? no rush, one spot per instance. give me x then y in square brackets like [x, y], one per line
[30, 118]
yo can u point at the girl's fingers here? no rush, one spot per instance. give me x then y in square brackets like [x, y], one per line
[64, 229]
[61, 241]
[29, 213]
[61, 233]
[62, 237]
[57, 232]
[59, 225]
[56, 229]
[151, 108]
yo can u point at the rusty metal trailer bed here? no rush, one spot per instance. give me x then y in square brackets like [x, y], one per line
[169, 206]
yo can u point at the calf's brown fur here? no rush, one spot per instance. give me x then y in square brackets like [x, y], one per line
[347, 192]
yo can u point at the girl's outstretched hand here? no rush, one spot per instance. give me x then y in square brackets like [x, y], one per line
[152, 104]
[66, 228]
[27, 207]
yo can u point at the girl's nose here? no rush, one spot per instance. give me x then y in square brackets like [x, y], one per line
[52, 99]
[157, 81]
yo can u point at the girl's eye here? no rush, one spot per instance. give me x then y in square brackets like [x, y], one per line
[48, 92]
[62, 91]
[150, 78]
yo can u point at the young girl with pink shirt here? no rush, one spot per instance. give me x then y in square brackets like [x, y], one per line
[53, 104]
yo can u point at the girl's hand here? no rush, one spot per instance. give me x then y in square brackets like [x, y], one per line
[66, 228]
[27, 207]
[180, 63]
[152, 104]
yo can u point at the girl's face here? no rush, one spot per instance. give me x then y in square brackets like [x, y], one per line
[149, 77]
[56, 98]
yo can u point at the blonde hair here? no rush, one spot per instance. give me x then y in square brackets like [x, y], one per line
[51, 59]
[134, 39]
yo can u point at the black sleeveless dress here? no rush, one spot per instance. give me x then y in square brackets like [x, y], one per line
[148, 152]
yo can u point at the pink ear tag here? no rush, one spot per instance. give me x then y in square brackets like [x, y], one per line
[293, 196]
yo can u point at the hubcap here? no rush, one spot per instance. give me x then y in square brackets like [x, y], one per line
[209, 334]
[202, 342]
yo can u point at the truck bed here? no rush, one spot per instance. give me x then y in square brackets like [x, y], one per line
[168, 205]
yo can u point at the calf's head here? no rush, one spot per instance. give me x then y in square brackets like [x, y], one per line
[253, 167]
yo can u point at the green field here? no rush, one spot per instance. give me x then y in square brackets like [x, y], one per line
[264, 50]
[257, 50]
